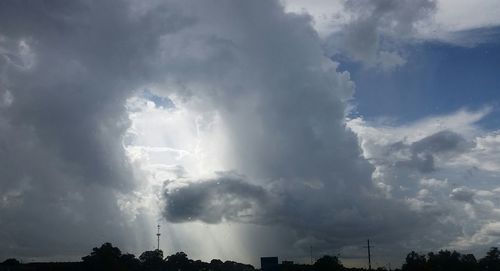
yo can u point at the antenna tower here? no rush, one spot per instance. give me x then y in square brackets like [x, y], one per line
[158, 235]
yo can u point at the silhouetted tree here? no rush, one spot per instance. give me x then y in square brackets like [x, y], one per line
[414, 262]
[234, 266]
[491, 261]
[328, 263]
[178, 261]
[199, 266]
[444, 260]
[468, 263]
[218, 265]
[152, 260]
[130, 262]
[11, 262]
[105, 257]
[215, 265]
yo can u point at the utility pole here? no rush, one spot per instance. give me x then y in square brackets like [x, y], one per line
[369, 256]
[158, 235]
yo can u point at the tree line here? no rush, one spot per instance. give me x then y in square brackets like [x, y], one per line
[108, 257]
[452, 260]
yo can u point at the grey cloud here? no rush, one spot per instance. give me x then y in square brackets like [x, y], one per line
[212, 201]
[440, 142]
[422, 154]
[69, 66]
[473, 37]
[376, 27]
[346, 220]
[389, 61]
[463, 194]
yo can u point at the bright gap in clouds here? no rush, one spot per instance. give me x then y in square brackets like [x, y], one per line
[174, 140]
[172, 145]
[168, 141]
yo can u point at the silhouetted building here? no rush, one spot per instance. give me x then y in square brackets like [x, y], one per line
[269, 264]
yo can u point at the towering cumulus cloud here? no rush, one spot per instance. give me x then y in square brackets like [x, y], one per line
[67, 69]
[282, 104]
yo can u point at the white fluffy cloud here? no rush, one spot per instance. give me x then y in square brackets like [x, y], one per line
[443, 165]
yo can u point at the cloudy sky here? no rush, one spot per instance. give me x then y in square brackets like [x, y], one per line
[249, 128]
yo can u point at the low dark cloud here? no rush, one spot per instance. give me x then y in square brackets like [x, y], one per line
[323, 217]
[228, 198]
[463, 194]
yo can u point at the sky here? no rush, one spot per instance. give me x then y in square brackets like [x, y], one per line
[249, 128]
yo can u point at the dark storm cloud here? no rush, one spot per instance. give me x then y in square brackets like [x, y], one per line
[67, 68]
[227, 197]
[86, 64]
[325, 219]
